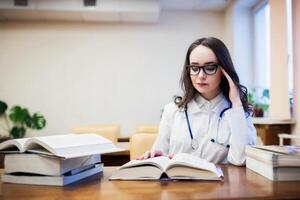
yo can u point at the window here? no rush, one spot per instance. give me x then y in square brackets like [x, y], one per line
[262, 46]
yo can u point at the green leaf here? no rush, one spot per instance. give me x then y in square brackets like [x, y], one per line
[36, 121]
[17, 132]
[250, 98]
[3, 107]
[266, 93]
[264, 107]
[19, 115]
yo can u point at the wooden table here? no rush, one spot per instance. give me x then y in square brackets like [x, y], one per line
[239, 183]
[117, 158]
[269, 128]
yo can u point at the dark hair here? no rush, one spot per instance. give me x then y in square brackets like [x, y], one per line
[224, 59]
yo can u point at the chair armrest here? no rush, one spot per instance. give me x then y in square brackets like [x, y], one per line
[283, 136]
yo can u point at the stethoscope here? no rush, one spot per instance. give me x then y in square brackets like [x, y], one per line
[194, 142]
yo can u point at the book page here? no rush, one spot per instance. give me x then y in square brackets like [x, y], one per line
[71, 140]
[161, 162]
[71, 145]
[184, 159]
[13, 145]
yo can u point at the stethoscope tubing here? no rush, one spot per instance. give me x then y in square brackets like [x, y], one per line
[220, 117]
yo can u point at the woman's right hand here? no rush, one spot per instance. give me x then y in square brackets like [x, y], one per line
[152, 154]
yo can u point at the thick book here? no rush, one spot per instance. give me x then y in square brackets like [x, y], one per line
[181, 166]
[51, 180]
[64, 146]
[46, 165]
[273, 158]
[285, 149]
[273, 173]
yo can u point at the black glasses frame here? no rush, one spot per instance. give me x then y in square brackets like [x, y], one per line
[205, 69]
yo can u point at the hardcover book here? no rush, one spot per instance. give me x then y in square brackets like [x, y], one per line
[64, 146]
[181, 166]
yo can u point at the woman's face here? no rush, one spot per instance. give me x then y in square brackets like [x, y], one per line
[207, 84]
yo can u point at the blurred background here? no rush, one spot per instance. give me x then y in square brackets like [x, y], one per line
[83, 62]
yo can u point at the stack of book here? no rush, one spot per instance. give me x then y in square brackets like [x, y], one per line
[54, 160]
[277, 163]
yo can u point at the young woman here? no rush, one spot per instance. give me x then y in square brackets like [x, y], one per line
[212, 119]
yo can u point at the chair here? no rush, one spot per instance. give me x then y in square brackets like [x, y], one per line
[147, 129]
[140, 143]
[283, 136]
[111, 132]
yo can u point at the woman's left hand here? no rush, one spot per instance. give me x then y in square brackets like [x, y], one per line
[234, 94]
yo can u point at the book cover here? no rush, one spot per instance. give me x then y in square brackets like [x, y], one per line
[285, 149]
[24, 178]
[273, 173]
[46, 165]
[272, 158]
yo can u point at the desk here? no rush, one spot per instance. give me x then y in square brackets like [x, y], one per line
[239, 183]
[269, 128]
[117, 158]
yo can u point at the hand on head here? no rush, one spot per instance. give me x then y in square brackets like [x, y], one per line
[234, 94]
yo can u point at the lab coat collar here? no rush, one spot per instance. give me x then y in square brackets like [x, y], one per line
[200, 104]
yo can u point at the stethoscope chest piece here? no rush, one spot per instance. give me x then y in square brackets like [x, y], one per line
[194, 144]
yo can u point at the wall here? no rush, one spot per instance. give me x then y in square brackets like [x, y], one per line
[296, 56]
[80, 74]
[278, 62]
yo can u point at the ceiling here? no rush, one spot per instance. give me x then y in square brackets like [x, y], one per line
[205, 5]
[105, 10]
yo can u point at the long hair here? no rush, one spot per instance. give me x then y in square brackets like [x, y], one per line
[224, 59]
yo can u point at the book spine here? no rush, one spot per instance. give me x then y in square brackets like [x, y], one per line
[259, 155]
[260, 168]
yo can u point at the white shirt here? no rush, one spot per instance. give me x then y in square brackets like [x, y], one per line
[234, 128]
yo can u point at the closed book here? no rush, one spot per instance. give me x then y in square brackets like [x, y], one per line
[64, 146]
[273, 173]
[51, 180]
[273, 158]
[46, 165]
[284, 149]
[181, 166]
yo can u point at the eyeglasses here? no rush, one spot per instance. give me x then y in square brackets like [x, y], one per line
[209, 69]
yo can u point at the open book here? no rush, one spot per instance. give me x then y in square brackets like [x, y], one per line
[64, 146]
[181, 166]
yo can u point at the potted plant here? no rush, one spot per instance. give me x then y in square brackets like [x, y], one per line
[259, 101]
[20, 119]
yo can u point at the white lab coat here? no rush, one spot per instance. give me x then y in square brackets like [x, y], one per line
[235, 129]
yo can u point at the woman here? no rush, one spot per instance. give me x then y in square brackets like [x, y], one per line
[212, 119]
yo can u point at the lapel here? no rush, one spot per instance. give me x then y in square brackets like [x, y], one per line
[221, 105]
[196, 105]
[193, 107]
